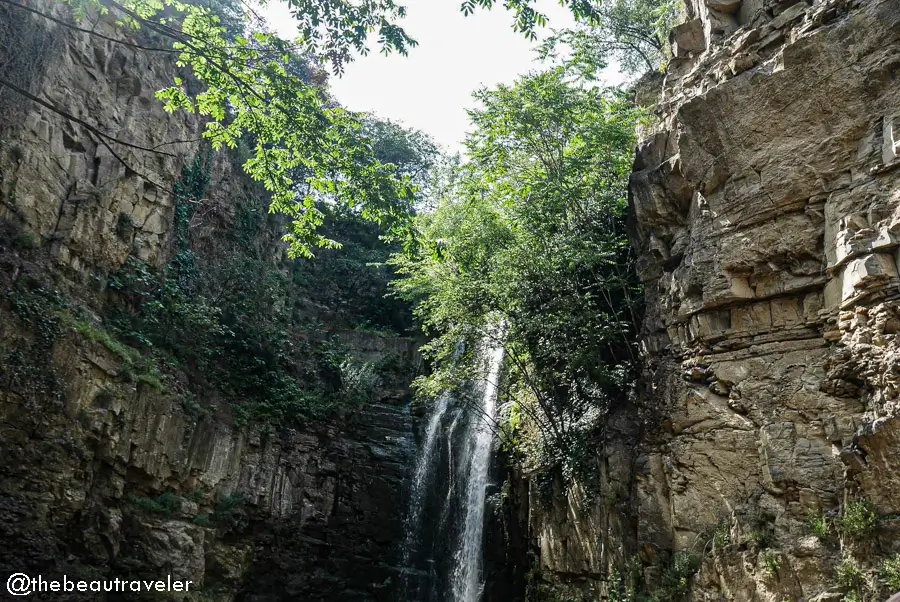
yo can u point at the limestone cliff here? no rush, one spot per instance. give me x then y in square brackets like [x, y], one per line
[766, 212]
[110, 472]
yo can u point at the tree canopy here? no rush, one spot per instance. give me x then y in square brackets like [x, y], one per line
[305, 148]
[631, 32]
[531, 235]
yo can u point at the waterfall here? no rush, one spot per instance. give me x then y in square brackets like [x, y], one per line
[418, 490]
[443, 545]
[467, 577]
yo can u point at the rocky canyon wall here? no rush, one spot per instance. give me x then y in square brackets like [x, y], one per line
[105, 472]
[765, 208]
[758, 460]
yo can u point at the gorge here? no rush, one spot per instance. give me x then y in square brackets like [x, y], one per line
[179, 396]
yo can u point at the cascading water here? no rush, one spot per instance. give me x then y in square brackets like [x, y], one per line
[467, 578]
[443, 547]
[421, 474]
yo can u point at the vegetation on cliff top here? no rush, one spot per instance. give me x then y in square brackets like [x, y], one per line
[531, 233]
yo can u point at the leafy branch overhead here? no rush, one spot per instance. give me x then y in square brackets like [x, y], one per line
[631, 32]
[304, 148]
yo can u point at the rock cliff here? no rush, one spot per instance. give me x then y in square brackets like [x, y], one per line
[106, 471]
[765, 208]
[758, 460]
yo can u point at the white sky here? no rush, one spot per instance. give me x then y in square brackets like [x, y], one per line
[432, 87]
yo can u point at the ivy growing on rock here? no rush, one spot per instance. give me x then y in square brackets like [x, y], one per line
[235, 319]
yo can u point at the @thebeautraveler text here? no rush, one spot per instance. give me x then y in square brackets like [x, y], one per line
[21, 584]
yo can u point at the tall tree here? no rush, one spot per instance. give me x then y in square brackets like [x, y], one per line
[533, 236]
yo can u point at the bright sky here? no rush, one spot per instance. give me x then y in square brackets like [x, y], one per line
[432, 87]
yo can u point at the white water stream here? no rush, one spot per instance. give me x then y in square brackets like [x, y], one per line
[443, 551]
[467, 578]
[420, 479]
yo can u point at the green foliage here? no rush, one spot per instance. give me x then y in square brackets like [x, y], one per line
[632, 32]
[203, 520]
[334, 30]
[196, 494]
[722, 536]
[759, 537]
[770, 563]
[628, 585]
[37, 307]
[48, 314]
[24, 366]
[411, 151]
[531, 235]
[305, 148]
[850, 576]
[360, 380]
[165, 504]
[230, 316]
[676, 578]
[125, 227]
[193, 407]
[860, 519]
[356, 278]
[232, 15]
[819, 525]
[890, 572]
[230, 509]
[26, 241]
[134, 366]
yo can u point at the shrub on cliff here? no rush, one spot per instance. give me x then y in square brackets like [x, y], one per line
[244, 326]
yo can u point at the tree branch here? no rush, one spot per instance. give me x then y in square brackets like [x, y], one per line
[91, 32]
[81, 122]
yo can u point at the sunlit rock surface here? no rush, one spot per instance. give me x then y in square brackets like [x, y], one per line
[765, 207]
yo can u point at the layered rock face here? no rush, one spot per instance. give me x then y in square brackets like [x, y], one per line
[103, 474]
[766, 210]
[65, 183]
